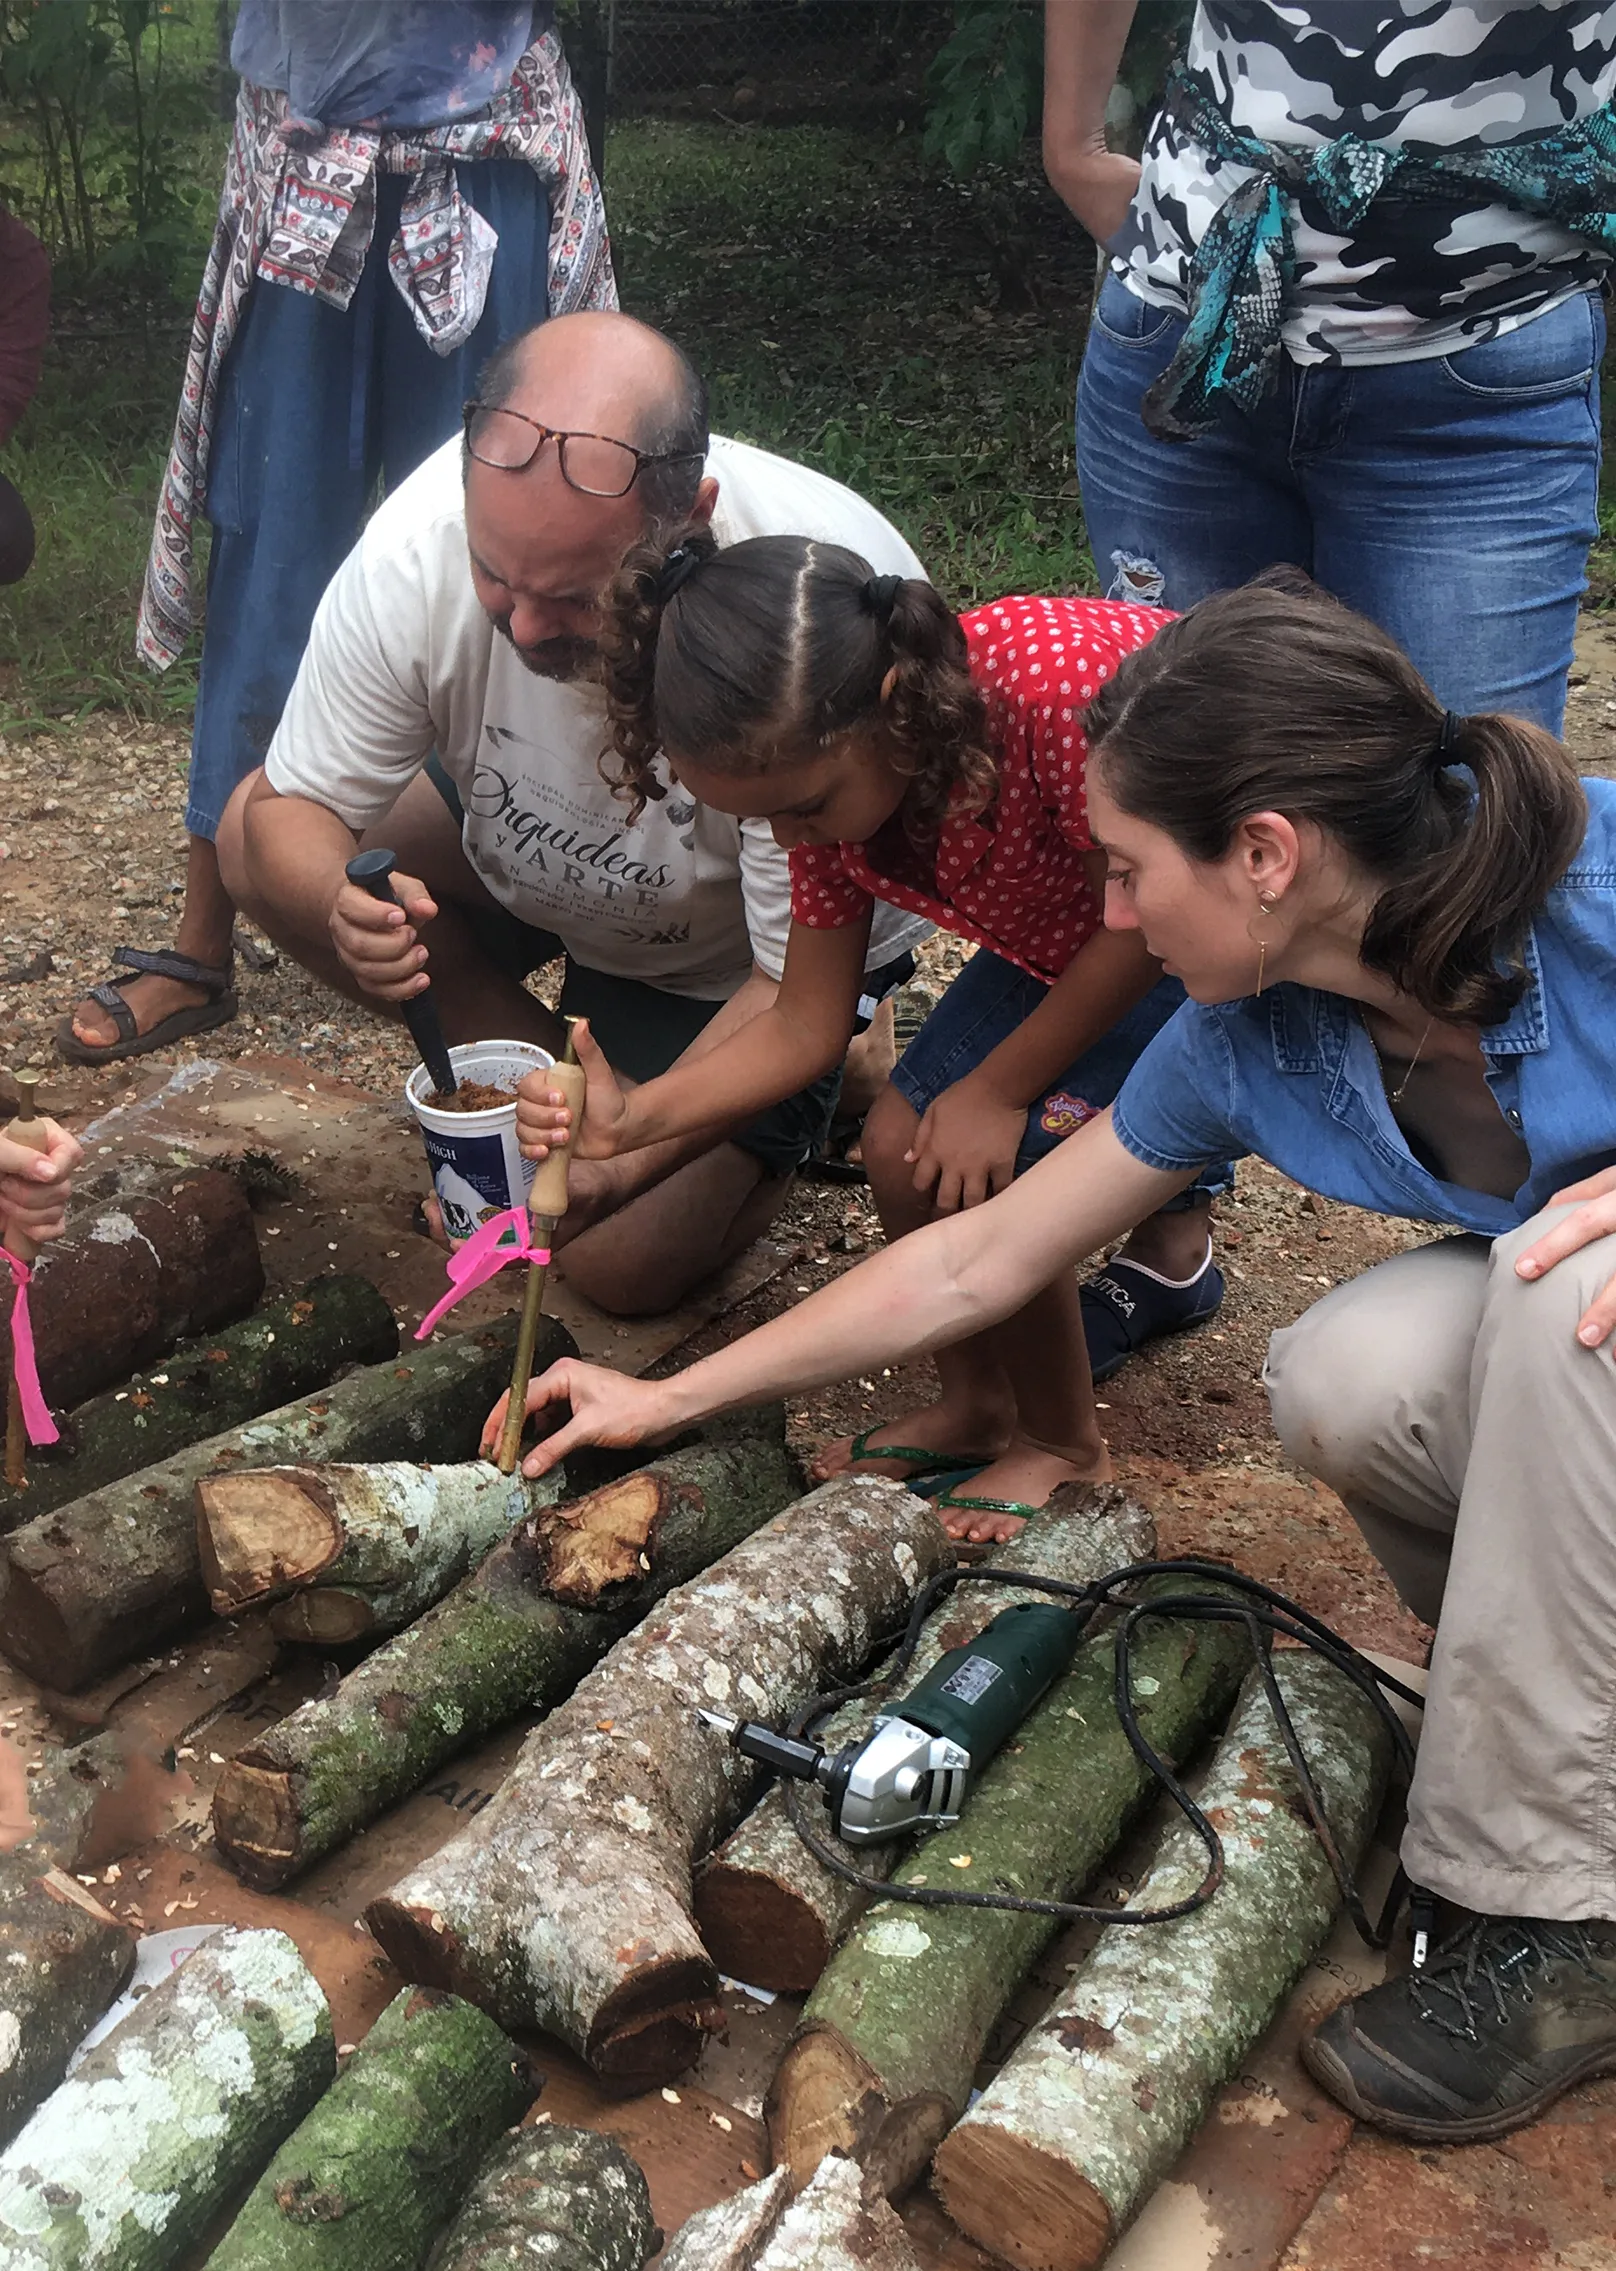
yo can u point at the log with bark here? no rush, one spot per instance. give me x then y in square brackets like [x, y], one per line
[146, 1268]
[563, 2199]
[839, 2222]
[347, 1553]
[518, 1633]
[63, 1960]
[288, 1348]
[768, 1911]
[1097, 2102]
[566, 1904]
[122, 2167]
[881, 2062]
[376, 2168]
[117, 1573]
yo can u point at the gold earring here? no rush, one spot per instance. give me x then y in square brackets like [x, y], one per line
[1267, 901]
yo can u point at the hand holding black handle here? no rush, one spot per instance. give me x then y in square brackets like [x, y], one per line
[373, 872]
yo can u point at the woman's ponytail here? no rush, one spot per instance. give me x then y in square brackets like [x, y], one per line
[933, 711]
[1276, 698]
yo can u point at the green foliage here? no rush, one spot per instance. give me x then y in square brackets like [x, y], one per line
[100, 127]
[985, 83]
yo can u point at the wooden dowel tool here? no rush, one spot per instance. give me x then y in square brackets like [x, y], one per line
[27, 1128]
[546, 1204]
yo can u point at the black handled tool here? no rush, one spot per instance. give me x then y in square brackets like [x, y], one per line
[373, 872]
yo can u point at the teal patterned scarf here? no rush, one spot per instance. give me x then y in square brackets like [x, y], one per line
[1242, 274]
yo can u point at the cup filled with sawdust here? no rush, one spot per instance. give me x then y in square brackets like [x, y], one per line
[470, 1137]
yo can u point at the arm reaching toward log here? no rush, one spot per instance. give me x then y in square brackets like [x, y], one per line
[35, 1185]
[932, 1288]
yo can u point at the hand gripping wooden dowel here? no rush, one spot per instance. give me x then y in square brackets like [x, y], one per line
[27, 1128]
[546, 1204]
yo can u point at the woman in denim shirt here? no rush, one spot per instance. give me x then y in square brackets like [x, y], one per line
[1397, 928]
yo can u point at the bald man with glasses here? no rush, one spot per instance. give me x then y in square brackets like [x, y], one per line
[448, 707]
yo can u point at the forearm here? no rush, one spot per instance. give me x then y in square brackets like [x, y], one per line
[1083, 44]
[1105, 979]
[720, 1084]
[937, 1285]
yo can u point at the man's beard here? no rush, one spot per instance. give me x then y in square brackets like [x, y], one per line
[563, 660]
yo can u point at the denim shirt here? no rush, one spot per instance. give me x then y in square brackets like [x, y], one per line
[1293, 1076]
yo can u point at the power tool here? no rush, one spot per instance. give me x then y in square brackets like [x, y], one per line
[914, 1768]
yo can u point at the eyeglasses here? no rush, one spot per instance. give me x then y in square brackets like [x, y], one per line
[593, 464]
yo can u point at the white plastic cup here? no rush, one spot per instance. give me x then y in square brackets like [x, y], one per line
[477, 1170]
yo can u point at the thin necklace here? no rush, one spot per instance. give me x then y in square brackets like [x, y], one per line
[1395, 1095]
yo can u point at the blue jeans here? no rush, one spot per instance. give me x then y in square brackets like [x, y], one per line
[316, 406]
[1452, 500]
[986, 1003]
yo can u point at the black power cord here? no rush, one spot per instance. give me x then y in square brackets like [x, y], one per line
[1265, 1613]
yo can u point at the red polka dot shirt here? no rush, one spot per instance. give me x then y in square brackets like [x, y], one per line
[1013, 877]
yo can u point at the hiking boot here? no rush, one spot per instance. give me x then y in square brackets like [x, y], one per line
[1509, 2014]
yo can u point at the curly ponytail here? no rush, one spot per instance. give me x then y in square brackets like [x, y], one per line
[772, 649]
[1275, 697]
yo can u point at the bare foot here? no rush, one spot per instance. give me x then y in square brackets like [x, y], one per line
[150, 999]
[933, 1427]
[1028, 1476]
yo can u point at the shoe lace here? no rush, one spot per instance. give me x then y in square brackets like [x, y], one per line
[1488, 1969]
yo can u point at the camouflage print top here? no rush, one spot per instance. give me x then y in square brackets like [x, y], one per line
[1415, 277]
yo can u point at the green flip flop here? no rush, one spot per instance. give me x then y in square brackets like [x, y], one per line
[957, 1502]
[924, 1463]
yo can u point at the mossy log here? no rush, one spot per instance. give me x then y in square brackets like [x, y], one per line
[123, 2167]
[881, 2062]
[63, 1960]
[347, 1553]
[377, 2167]
[519, 1632]
[134, 1277]
[552, 2199]
[768, 1911]
[286, 1349]
[839, 2222]
[1095, 2105]
[565, 1905]
[117, 1574]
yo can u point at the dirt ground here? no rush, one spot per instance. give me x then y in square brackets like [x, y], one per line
[91, 853]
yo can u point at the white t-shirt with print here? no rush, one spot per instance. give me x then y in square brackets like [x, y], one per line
[402, 660]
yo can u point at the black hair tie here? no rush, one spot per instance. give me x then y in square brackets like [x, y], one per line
[1448, 739]
[677, 570]
[881, 595]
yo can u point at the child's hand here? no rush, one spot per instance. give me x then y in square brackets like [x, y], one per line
[966, 1145]
[544, 1117]
[35, 1186]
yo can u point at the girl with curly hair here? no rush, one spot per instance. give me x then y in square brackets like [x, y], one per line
[902, 753]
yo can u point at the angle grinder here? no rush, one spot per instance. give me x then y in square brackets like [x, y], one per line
[915, 1767]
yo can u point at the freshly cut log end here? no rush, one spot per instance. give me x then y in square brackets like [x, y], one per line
[63, 1960]
[566, 2199]
[566, 1904]
[260, 1533]
[374, 2170]
[1097, 2101]
[123, 2167]
[599, 1541]
[495, 1646]
[826, 2100]
[768, 1911]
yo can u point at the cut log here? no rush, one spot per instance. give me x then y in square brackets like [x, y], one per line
[1097, 2102]
[64, 1788]
[501, 1643]
[768, 1911]
[359, 1550]
[566, 1904]
[124, 1285]
[63, 1960]
[288, 1348]
[117, 1574]
[124, 2165]
[376, 2168]
[564, 2199]
[838, 2223]
[881, 2062]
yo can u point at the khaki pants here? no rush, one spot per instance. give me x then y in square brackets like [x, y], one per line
[1473, 1440]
